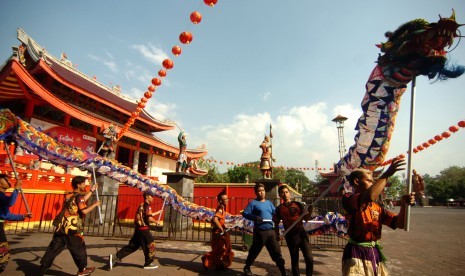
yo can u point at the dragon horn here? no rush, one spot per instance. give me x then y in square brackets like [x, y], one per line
[452, 17]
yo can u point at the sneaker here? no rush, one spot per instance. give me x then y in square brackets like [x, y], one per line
[151, 266]
[86, 271]
[112, 260]
[247, 271]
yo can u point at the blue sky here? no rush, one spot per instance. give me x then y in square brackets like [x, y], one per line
[294, 64]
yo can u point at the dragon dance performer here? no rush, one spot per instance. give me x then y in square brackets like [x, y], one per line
[221, 255]
[261, 211]
[5, 203]
[297, 238]
[141, 237]
[362, 254]
[69, 228]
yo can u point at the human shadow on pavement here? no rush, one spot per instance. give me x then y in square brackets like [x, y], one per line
[31, 269]
[106, 267]
[196, 266]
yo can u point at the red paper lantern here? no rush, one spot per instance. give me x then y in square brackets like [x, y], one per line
[176, 50]
[438, 138]
[445, 134]
[168, 64]
[420, 148]
[425, 144]
[415, 150]
[431, 141]
[144, 99]
[131, 120]
[141, 105]
[461, 123]
[148, 95]
[210, 3]
[402, 156]
[151, 88]
[454, 128]
[185, 37]
[138, 109]
[162, 73]
[196, 17]
[156, 81]
[135, 114]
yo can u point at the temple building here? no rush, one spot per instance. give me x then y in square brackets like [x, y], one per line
[51, 94]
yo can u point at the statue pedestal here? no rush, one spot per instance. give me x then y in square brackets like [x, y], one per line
[183, 184]
[271, 189]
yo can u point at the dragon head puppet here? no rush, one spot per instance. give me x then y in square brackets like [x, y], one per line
[420, 48]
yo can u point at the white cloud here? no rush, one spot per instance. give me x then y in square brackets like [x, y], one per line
[302, 135]
[109, 63]
[151, 53]
[266, 95]
[161, 111]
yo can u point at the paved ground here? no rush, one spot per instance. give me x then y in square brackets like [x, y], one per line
[433, 246]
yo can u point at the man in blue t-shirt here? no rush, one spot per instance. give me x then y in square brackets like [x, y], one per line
[5, 203]
[261, 212]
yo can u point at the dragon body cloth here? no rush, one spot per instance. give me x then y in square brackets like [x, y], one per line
[415, 48]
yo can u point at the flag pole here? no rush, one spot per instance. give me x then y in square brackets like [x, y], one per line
[410, 153]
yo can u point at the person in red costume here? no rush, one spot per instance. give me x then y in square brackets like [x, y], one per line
[362, 254]
[221, 255]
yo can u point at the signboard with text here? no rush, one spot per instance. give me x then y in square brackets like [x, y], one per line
[66, 135]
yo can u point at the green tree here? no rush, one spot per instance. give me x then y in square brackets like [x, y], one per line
[239, 174]
[396, 188]
[296, 179]
[449, 184]
[213, 175]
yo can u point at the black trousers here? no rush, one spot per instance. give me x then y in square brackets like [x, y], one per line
[298, 240]
[141, 238]
[265, 238]
[75, 245]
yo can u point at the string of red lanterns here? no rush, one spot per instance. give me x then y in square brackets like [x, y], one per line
[185, 38]
[229, 163]
[437, 138]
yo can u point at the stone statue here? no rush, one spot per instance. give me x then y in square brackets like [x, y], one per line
[181, 163]
[418, 187]
[109, 145]
[266, 158]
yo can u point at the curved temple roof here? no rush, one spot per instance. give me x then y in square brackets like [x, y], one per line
[15, 78]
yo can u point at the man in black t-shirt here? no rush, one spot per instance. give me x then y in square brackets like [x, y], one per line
[297, 238]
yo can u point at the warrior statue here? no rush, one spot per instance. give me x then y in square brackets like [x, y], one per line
[181, 163]
[266, 158]
[109, 145]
